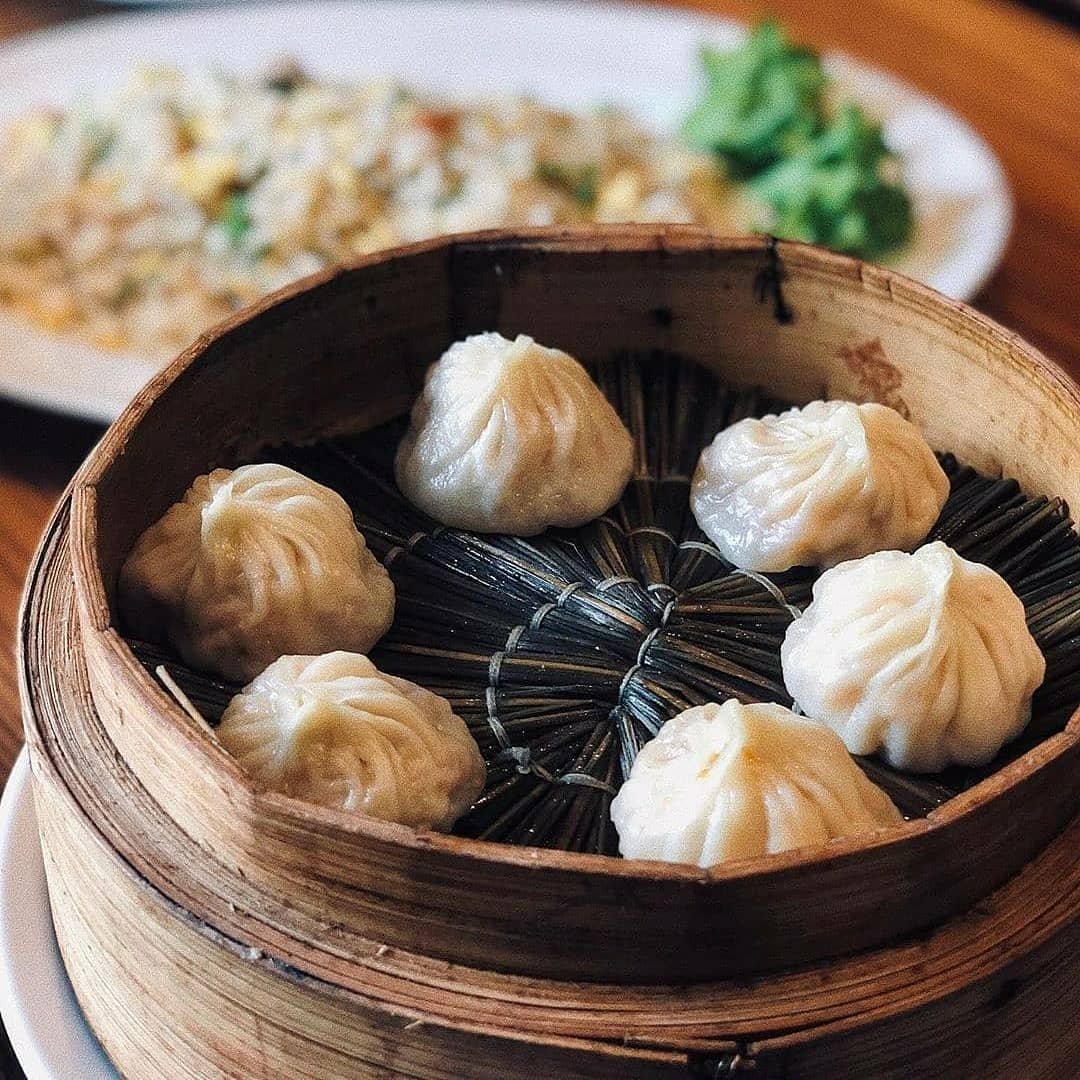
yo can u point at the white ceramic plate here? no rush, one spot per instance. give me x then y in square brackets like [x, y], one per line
[43, 1020]
[571, 54]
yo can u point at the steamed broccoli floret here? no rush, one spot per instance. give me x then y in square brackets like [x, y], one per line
[761, 101]
[833, 192]
[822, 177]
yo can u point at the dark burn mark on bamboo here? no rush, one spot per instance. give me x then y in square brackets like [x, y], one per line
[586, 641]
[769, 284]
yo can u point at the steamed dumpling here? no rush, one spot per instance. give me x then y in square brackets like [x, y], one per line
[512, 437]
[925, 658]
[336, 731]
[734, 781]
[817, 485]
[251, 564]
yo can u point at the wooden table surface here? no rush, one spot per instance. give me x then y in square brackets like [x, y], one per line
[1013, 74]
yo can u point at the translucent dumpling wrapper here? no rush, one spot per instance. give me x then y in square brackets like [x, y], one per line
[924, 658]
[252, 564]
[734, 781]
[512, 437]
[336, 731]
[816, 486]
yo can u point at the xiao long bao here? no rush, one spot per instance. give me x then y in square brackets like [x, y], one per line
[336, 731]
[253, 564]
[925, 658]
[817, 485]
[735, 781]
[512, 437]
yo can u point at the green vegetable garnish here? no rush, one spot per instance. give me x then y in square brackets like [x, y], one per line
[454, 187]
[579, 183]
[285, 84]
[101, 142]
[832, 191]
[125, 291]
[763, 115]
[235, 219]
[762, 101]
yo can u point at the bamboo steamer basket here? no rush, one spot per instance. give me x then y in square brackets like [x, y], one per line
[211, 928]
[181, 977]
[347, 350]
